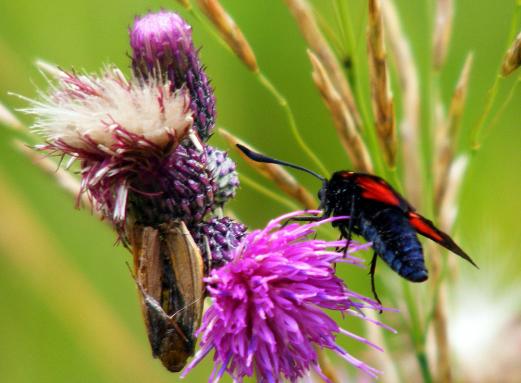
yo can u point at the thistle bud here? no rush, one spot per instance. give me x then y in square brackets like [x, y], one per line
[217, 239]
[162, 47]
[222, 168]
[181, 187]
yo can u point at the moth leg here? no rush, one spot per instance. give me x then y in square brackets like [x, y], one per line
[349, 234]
[154, 306]
[371, 272]
[306, 218]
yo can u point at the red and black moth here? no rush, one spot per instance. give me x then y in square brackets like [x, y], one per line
[378, 213]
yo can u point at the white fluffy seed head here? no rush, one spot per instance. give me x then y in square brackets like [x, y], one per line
[83, 108]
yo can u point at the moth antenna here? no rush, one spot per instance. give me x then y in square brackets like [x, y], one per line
[257, 157]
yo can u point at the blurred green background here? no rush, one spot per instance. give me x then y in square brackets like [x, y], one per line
[69, 310]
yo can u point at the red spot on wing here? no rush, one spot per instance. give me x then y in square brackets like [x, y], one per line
[425, 227]
[378, 190]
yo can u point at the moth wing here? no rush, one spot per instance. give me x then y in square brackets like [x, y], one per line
[377, 189]
[188, 268]
[426, 228]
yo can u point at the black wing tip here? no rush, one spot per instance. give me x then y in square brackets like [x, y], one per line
[451, 245]
[466, 257]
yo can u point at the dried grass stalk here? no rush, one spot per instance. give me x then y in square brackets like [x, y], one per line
[448, 210]
[447, 133]
[285, 181]
[327, 367]
[512, 59]
[442, 31]
[185, 3]
[383, 360]
[443, 366]
[344, 122]
[303, 13]
[64, 179]
[8, 119]
[382, 98]
[230, 32]
[408, 75]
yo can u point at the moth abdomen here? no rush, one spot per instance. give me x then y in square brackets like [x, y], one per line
[395, 241]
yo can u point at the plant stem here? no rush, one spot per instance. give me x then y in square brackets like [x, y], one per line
[491, 97]
[506, 103]
[281, 100]
[416, 333]
[421, 357]
[266, 82]
[492, 93]
[268, 193]
[325, 365]
[368, 128]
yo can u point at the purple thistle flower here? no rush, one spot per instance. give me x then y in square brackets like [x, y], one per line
[224, 174]
[162, 47]
[218, 239]
[268, 314]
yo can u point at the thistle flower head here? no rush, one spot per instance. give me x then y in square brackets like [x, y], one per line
[217, 239]
[91, 113]
[224, 174]
[268, 314]
[127, 136]
[162, 48]
[179, 185]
